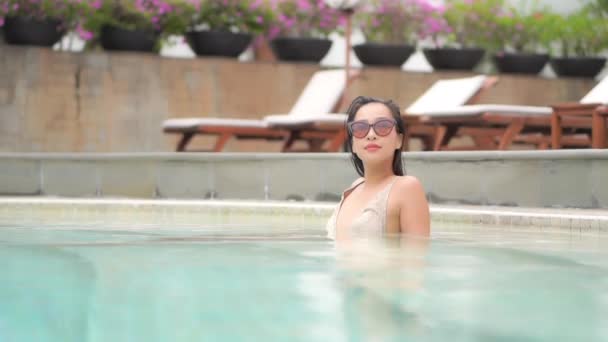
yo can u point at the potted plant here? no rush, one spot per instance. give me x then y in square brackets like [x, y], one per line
[460, 32]
[522, 41]
[581, 36]
[41, 22]
[302, 29]
[226, 27]
[127, 25]
[390, 28]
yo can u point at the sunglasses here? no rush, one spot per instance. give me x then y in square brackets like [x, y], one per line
[383, 127]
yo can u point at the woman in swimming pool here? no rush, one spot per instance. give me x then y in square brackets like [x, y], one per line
[384, 200]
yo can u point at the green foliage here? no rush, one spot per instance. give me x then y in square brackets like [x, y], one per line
[490, 24]
[66, 11]
[146, 15]
[471, 23]
[159, 17]
[391, 21]
[600, 7]
[250, 16]
[305, 18]
[583, 33]
[523, 31]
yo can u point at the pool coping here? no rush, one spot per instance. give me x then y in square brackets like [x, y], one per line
[552, 179]
[436, 155]
[226, 212]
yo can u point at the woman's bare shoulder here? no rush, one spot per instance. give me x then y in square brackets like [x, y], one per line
[409, 185]
[408, 182]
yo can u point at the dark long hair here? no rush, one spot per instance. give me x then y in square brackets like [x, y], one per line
[354, 107]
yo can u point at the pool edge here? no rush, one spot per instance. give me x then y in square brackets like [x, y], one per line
[232, 212]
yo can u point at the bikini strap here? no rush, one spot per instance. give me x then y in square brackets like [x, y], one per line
[355, 184]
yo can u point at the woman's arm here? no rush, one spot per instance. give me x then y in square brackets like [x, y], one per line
[414, 216]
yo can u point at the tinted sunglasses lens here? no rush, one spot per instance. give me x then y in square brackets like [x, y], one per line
[384, 127]
[359, 129]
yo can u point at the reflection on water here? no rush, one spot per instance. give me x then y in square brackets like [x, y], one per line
[249, 284]
[382, 279]
[45, 294]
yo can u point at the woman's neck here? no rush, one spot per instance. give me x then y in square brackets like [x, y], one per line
[376, 176]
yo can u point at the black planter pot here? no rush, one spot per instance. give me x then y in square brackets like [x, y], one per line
[578, 66]
[118, 39]
[520, 63]
[218, 43]
[300, 49]
[383, 54]
[454, 58]
[22, 31]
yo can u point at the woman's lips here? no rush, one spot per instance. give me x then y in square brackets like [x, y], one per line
[372, 147]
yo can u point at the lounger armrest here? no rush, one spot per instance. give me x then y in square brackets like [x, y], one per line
[295, 117]
[575, 105]
[575, 108]
[490, 82]
[322, 119]
[602, 110]
[335, 114]
[410, 119]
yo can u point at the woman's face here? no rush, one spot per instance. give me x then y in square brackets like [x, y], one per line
[378, 144]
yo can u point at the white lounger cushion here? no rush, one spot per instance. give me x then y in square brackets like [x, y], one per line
[285, 120]
[599, 93]
[194, 123]
[288, 120]
[447, 94]
[478, 110]
[320, 95]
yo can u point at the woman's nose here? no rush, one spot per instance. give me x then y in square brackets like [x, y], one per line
[371, 135]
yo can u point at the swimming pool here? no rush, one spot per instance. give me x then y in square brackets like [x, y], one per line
[98, 281]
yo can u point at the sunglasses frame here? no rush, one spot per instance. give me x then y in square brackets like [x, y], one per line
[371, 126]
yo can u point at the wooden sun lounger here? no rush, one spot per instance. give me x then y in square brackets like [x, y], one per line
[591, 117]
[321, 95]
[499, 126]
[224, 129]
[443, 96]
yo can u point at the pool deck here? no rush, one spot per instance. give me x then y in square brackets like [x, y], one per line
[225, 213]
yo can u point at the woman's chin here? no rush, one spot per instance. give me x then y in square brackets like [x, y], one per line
[376, 157]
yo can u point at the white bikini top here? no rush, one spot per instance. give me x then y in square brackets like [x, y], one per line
[372, 219]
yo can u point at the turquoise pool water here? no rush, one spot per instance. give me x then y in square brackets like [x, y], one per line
[160, 284]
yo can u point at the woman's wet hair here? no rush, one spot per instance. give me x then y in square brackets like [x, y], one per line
[354, 107]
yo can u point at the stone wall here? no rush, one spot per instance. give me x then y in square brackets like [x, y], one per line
[115, 102]
[560, 178]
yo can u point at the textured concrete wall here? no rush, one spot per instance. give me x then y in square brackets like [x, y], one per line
[102, 102]
[529, 179]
